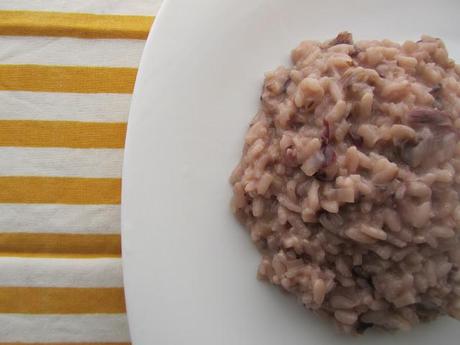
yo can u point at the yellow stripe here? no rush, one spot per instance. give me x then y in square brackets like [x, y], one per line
[59, 190]
[61, 300]
[57, 256]
[79, 245]
[67, 79]
[71, 134]
[82, 25]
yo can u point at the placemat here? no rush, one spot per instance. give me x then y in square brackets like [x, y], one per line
[67, 71]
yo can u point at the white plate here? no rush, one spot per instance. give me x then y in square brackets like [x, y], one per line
[189, 267]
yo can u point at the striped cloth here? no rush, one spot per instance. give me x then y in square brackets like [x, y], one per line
[67, 70]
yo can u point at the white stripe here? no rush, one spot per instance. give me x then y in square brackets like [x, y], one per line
[77, 219]
[78, 273]
[63, 328]
[20, 105]
[70, 51]
[132, 7]
[61, 162]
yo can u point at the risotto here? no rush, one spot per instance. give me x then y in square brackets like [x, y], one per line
[349, 181]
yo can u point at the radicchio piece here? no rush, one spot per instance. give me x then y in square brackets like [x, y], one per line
[435, 91]
[434, 118]
[326, 135]
[343, 37]
[328, 153]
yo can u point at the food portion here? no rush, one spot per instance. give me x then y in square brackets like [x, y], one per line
[349, 181]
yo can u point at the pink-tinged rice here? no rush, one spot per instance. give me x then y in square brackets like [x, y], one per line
[349, 181]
